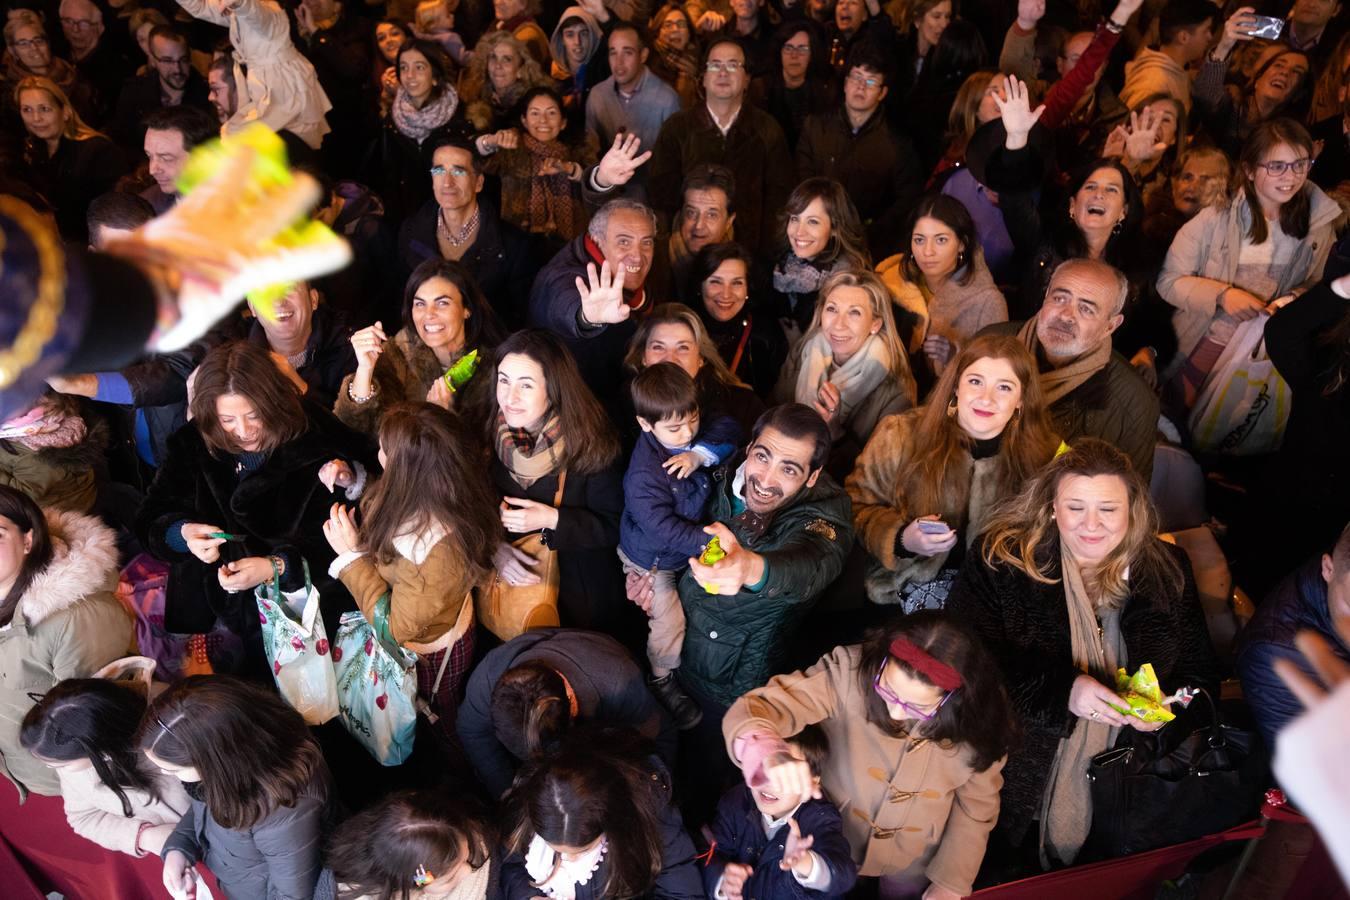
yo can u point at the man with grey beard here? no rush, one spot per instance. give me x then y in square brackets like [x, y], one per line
[1092, 391]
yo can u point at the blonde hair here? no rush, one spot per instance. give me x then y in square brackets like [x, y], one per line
[20, 18]
[474, 82]
[679, 314]
[1022, 532]
[431, 13]
[75, 127]
[880, 300]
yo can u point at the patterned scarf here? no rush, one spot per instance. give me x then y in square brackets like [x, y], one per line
[530, 457]
[794, 275]
[418, 123]
[551, 205]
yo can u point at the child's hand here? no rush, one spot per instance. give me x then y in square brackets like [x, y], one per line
[682, 465]
[797, 850]
[734, 877]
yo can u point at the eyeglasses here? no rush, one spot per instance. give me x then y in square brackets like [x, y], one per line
[181, 62]
[1277, 167]
[869, 83]
[889, 696]
[30, 43]
[79, 24]
[797, 49]
[725, 65]
[454, 171]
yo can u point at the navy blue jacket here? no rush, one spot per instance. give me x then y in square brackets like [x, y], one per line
[663, 516]
[1298, 602]
[738, 830]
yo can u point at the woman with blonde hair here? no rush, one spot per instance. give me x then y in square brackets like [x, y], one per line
[930, 477]
[67, 161]
[851, 365]
[674, 333]
[29, 53]
[500, 71]
[1068, 582]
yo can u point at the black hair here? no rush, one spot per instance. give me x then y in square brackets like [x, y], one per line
[482, 329]
[436, 58]
[711, 177]
[950, 212]
[977, 714]
[621, 25]
[1124, 241]
[28, 517]
[710, 259]
[195, 125]
[543, 90]
[118, 209]
[1181, 15]
[169, 34]
[530, 709]
[959, 52]
[442, 139]
[663, 391]
[815, 747]
[818, 69]
[865, 56]
[94, 719]
[798, 422]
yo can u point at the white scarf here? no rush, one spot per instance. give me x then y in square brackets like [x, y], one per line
[559, 878]
[856, 379]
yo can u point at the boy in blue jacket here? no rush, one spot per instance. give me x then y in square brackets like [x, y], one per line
[780, 847]
[664, 496]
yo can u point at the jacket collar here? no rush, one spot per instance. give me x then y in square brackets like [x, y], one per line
[84, 560]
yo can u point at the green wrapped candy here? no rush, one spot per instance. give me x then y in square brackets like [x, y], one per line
[1141, 695]
[459, 374]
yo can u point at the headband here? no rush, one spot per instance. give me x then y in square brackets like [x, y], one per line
[941, 674]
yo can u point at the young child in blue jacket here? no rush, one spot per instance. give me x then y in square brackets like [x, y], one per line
[767, 846]
[665, 493]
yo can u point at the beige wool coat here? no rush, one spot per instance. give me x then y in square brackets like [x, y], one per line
[909, 805]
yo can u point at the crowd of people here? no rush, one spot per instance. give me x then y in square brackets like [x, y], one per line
[849, 392]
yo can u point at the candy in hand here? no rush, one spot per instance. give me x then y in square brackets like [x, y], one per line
[459, 374]
[712, 552]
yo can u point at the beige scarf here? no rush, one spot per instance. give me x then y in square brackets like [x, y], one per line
[1064, 380]
[1066, 805]
[859, 376]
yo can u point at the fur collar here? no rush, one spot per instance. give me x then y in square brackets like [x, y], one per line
[84, 560]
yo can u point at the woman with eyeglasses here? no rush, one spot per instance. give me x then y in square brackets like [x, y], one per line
[676, 58]
[30, 54]
[1231, 264]
[1069, 582]
[798, 81]
[919, 724]
[59, 618]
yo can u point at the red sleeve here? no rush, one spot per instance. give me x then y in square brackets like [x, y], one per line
[1062, 97]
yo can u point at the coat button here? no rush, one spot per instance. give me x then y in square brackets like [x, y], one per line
[713, 635]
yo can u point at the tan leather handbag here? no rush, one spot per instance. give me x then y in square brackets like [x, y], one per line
[510, 610]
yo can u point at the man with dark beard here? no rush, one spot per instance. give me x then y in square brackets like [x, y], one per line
[786, 528]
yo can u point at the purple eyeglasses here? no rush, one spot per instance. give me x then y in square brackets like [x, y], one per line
[889, 696]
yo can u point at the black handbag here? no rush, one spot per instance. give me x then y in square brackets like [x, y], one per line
[1163, 788]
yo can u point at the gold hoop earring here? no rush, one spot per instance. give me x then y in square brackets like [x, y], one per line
[951, 409]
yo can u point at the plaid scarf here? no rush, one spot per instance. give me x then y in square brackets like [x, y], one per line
[552, 208]
[530, 457]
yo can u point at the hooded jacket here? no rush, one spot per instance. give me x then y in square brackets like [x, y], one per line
[574, 86]
[67, 624]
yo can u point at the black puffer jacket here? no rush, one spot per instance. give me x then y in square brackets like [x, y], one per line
[1025, 624]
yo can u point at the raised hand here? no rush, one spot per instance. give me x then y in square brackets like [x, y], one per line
[368, 344]
[602, 295]
[797, 850]
[620, 161]
[1141, 136]
[1237, 28]
[1018, 116]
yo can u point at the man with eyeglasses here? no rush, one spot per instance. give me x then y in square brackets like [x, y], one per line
[98, 59]
[458, 224]
[170, 81]
[855, 145]
[726, 131]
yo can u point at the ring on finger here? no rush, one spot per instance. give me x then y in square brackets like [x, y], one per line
[1095, 714]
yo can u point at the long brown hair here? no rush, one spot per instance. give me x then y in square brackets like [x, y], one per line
[848, 240]
[429, 480]
[28, 517]
[1296, 212]
[591, 443]
[248, 370]
[253, 752]
[932, 478]
[1022, 532]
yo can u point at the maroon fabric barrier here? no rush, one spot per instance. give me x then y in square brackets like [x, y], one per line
[39, 853]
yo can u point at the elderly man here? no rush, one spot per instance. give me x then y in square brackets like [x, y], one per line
[1092, 391]
[98, 59]
[170, 81]
[588, 291]
[727, 131]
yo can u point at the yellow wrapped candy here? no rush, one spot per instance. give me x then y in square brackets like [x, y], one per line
[1142, 695]
[712, 552]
